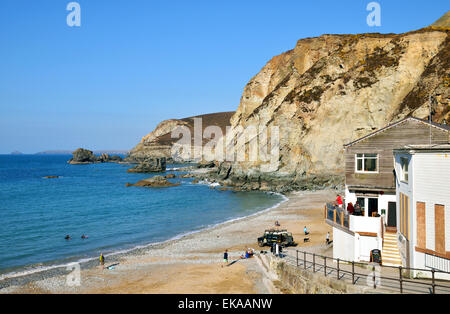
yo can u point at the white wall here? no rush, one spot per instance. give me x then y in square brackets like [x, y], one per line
[432, 186]
[365, 224]
[343, 245]
[365, 245]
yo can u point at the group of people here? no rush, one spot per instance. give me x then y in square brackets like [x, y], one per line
[67, 237]
[351, 209]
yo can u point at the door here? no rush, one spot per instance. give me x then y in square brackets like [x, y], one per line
[392, 214]
[373, 206]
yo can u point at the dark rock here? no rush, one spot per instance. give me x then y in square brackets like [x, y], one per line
[150, 165]
[82, 156]
[51, 177]
[170, 176]
[154, 182]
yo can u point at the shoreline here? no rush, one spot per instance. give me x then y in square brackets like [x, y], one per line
[22, 275]
[193, 262]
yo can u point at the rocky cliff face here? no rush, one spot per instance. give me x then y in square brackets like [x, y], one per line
[159, 143]
[333, 89]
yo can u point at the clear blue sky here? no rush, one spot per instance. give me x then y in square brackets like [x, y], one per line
[134, 63]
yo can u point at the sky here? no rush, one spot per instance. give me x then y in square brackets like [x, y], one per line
[132, 64]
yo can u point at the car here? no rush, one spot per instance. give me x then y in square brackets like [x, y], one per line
[273, 236]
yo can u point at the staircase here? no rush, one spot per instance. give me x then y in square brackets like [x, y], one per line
[391, 254]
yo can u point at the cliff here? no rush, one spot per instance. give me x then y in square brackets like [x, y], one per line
[159, 143]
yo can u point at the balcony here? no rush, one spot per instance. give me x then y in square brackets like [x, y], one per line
[339, 218]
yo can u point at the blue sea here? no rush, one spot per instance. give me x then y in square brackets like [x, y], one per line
[36, 213]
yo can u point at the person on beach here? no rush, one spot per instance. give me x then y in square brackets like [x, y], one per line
[328, 238]
[306, 230]
[102, 260]
[225, 257]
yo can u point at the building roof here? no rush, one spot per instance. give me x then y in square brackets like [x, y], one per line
[443, 127]
[425, 148]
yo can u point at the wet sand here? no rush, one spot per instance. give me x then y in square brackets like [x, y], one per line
[194, 264]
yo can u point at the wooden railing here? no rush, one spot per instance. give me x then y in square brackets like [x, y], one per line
[336, 215]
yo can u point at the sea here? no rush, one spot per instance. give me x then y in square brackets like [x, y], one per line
[37, 213]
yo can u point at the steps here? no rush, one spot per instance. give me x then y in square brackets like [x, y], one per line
[391, 254]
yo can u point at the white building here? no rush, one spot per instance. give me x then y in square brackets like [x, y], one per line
[423, 202]
[370, 182]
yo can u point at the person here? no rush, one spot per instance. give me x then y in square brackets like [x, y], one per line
[306, 230]
[339, 200]
[357, 210]
[67, 237]
[225, 257]
[277, 223]
[350, 208]
[102, 260]
[84, 236]
[328, 238]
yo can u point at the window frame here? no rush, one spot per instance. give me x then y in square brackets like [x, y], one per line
[377, 158]
[402, 168]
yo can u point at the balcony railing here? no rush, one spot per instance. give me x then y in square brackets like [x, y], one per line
[336, 215]
[339, 217]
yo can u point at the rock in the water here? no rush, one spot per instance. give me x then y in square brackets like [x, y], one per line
[150, 165]
[170, 176]
[154, 182]
[108, 158]
[51, 177]
[82, 156]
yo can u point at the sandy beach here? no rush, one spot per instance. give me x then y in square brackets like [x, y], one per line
[194, 264]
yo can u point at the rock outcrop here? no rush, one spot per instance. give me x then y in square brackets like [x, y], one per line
[83, 156]
[159, 143]
[147, 165]
[153, 182]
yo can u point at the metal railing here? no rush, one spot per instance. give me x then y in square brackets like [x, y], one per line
[389, 277]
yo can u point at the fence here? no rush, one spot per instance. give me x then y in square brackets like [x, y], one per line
[394, 278]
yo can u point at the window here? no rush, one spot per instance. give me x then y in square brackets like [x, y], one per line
[366, 162]
[404, 162]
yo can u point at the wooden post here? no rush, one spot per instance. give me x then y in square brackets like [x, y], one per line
[297, 258]
[342, 218]
[338, 268]
[353, 272]
[334, 215]
[325, 265]
[400, 279]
